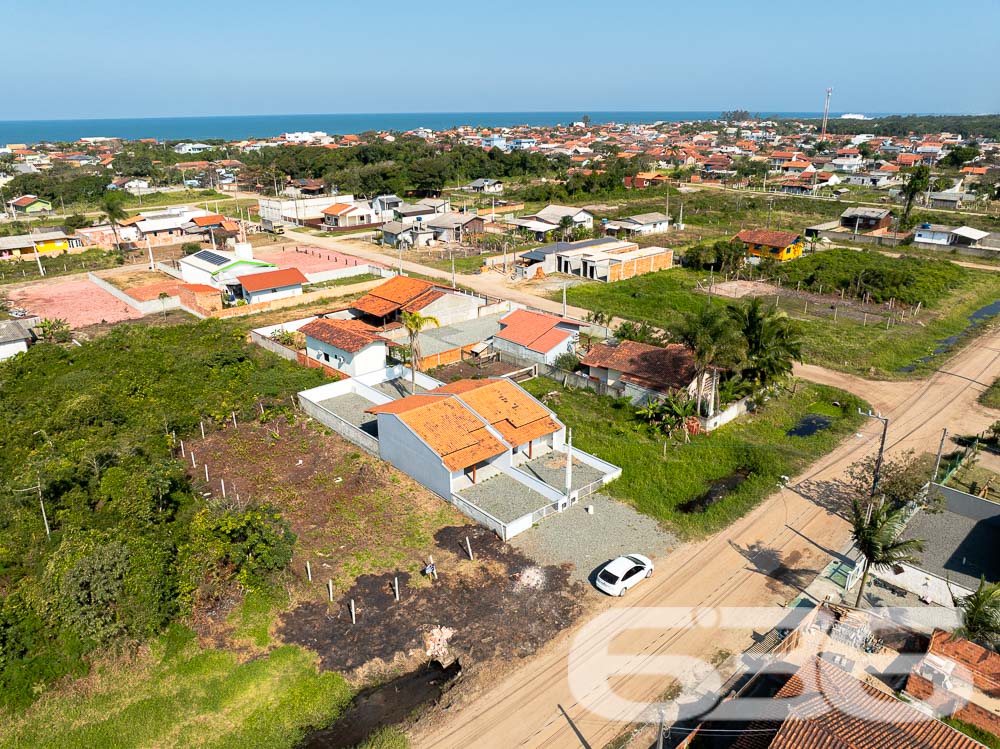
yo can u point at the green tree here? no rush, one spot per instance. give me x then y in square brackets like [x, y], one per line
[565, 227]
[715, 343]
[414, 323]
[980, 615]
[772, 340]
[54, 330]
[959, 156]
[917, 181]
[877, 534]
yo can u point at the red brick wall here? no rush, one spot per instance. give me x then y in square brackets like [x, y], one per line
[641, 266]
[970, 712]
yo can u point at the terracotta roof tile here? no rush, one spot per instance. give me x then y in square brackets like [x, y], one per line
[767, 238]
[527, 329]
[829, 708]
[661, 368]
[347, 335]
[272, 279]
[392, 295]
[211, 220]
[983, 664]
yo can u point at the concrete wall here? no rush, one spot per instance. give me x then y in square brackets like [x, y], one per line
[453, 308]
[407, 452]
[967, 505]
[259, 297]
[7, 350]
[345, 429]
[369, 359]
[273, 346]
[146, 308]
[350, 270]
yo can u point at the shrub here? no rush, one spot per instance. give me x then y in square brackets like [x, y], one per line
[189, 248]
[568, 361]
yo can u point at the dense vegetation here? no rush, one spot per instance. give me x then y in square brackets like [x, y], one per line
[985, 125]
[381, 167]
[661, 482]
[132, 544]
[907, 279]
[179, 694]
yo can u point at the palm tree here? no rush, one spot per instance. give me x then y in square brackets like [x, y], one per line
[111, 206]
[876, 533]
[772, 341]
[980, 615]
[414, 323]
[713, 341]
[565, 226]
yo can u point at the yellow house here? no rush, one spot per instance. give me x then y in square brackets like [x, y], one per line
[777, 245]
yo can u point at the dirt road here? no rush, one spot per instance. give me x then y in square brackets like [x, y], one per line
[797, 530]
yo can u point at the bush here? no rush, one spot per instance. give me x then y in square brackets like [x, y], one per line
[568, 361]
[189, 248]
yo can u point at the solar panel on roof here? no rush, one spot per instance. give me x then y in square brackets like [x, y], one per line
[212, 257]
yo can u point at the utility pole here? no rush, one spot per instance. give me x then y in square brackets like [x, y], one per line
[826, 114]
[937, 463]
[881, 447]
[41, 502]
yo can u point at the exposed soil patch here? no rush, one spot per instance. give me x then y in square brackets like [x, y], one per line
[466, 370]
[491, 610]
[787, 573]
[716, 492]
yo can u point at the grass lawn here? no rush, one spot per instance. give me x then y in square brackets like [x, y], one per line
[977, 733]
[345, 281]
[12, 271]
[847, 345]
[179, 694]
[991, 397]
[658, 482]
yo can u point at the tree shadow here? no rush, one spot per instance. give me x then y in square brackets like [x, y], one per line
[779, 567]
[833, 496]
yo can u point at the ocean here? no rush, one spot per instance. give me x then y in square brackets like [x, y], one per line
[263, 126]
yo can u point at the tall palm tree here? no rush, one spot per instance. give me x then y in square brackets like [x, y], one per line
[565, 226]
[980, 615]
[772, 340]
[111, 206]
[876, 533]
[414, 323]
[714, 342]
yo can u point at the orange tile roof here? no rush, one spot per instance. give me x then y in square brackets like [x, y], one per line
[767, 237]
[448, 427]
[347, 335]
[429, 296]
[392, 295]
[533, 330]
[272, 279]
[510, 410]
[337, 209]
[830, 709]
[210, 220]
[982, 663]
[661, 368]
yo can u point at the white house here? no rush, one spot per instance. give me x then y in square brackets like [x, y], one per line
[464, 432]
[536, 337]
[554, 214]
[349, 346]
[640, 224]
[192, 147]
[14, 339]
[343, 215]
[933, 234]
[487, 186]
[217, 267]
[298, 210]
[398, 234]
[273, 284]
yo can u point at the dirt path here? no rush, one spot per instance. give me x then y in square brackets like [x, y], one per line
[797, 527]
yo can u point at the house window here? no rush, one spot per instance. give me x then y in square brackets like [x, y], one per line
[326, 356]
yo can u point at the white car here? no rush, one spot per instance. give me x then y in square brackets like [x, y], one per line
[620, 574]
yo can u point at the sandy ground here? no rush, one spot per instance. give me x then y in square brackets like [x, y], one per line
[308, 258]
[72, 298]
[799, 527]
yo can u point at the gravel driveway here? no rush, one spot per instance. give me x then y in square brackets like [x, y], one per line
[586, 541]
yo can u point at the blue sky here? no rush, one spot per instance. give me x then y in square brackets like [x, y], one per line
[117, 59]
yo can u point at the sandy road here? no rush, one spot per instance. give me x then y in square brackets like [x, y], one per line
[798, 526]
